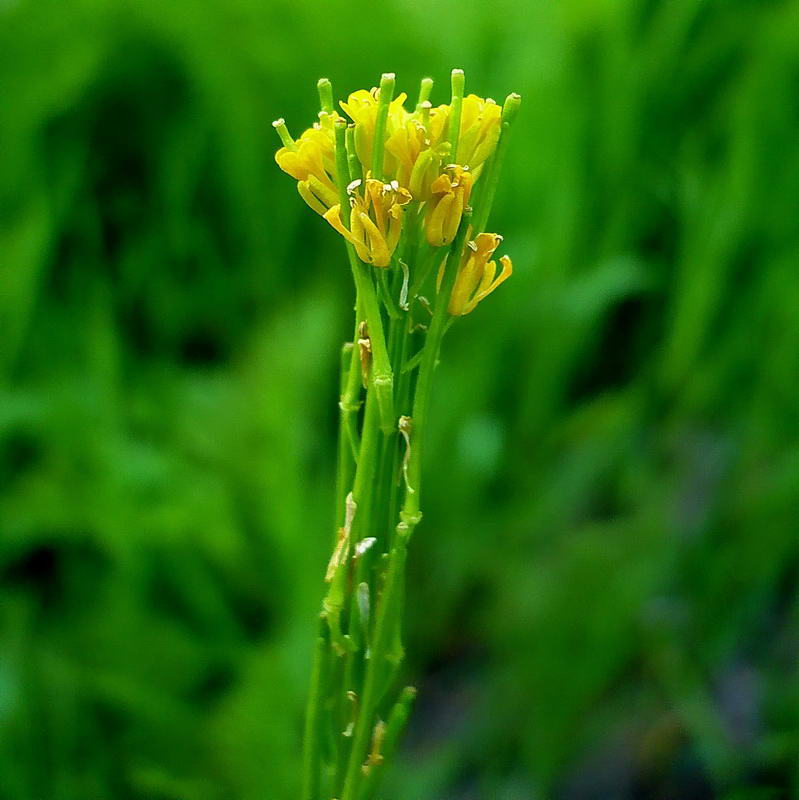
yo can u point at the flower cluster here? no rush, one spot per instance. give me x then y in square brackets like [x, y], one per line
[410, 190]
[413, 171]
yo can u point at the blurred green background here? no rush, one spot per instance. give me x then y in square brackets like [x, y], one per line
[603, 595]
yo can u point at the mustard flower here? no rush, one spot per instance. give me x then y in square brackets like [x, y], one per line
[450, 195]
[477, 276]
[375, 219]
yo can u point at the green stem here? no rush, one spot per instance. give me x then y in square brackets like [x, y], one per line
[382, 376]
[325, 89]
[350, 401]
[486, 199]
[425, 88]
[458, 85]
[402, 406]
[363, 494]
[389, 606]
[283, 132]
[430, 261]
[354, 163]
[311, 763]
[385, 485]
[366, 471]
[411, 513]
[397, 720]
[384, 100]
[374, 669]
[345, 454]
[385, 292]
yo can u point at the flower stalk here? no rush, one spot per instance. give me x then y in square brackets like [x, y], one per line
[410, 193]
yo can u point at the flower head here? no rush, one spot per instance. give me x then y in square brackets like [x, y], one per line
[450, 194]
[479, 131]
[391, 165]
[375, 219]
[407, 139]
[311, 161]
[477, 276]
[362, 108]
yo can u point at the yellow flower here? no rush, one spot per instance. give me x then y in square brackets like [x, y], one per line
[375, 220]
[311, 162]
[450, 195]
[479, 133]
[477, 276]
[406, 140]
[437, 127]
[479, 130]
[361, 107]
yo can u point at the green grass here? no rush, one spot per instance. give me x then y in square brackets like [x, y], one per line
[603, 595]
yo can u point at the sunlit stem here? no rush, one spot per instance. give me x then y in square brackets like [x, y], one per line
[486, 200]
[384, 100]
[356, 170]
[382, 376]
[458, 86]
[283, 132]
[397, 720]
[312, 747]
[425, 88]
[325, 95]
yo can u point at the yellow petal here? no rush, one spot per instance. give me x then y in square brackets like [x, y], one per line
[436, 220]
[488, 284]
[289, 162]
[378, 253]
[427, 165]
[454, 217]
[441, 184]
[402, 197]
[310, 198]
[323, 191]
[333, 216]
[359, 105]
[465, 282]
[395, 215]
[360, 239]
[485, 244]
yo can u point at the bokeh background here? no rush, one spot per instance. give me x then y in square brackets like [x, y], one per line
[603, 595]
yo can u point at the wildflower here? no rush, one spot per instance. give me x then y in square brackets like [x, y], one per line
[450, 195]
[437, 127]
[363, 179]
[479, 133]
[476, 277]
[361, 107]
[311, 161]
[431, 156]
[426, 169]
[375, 219]
[406, 140]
